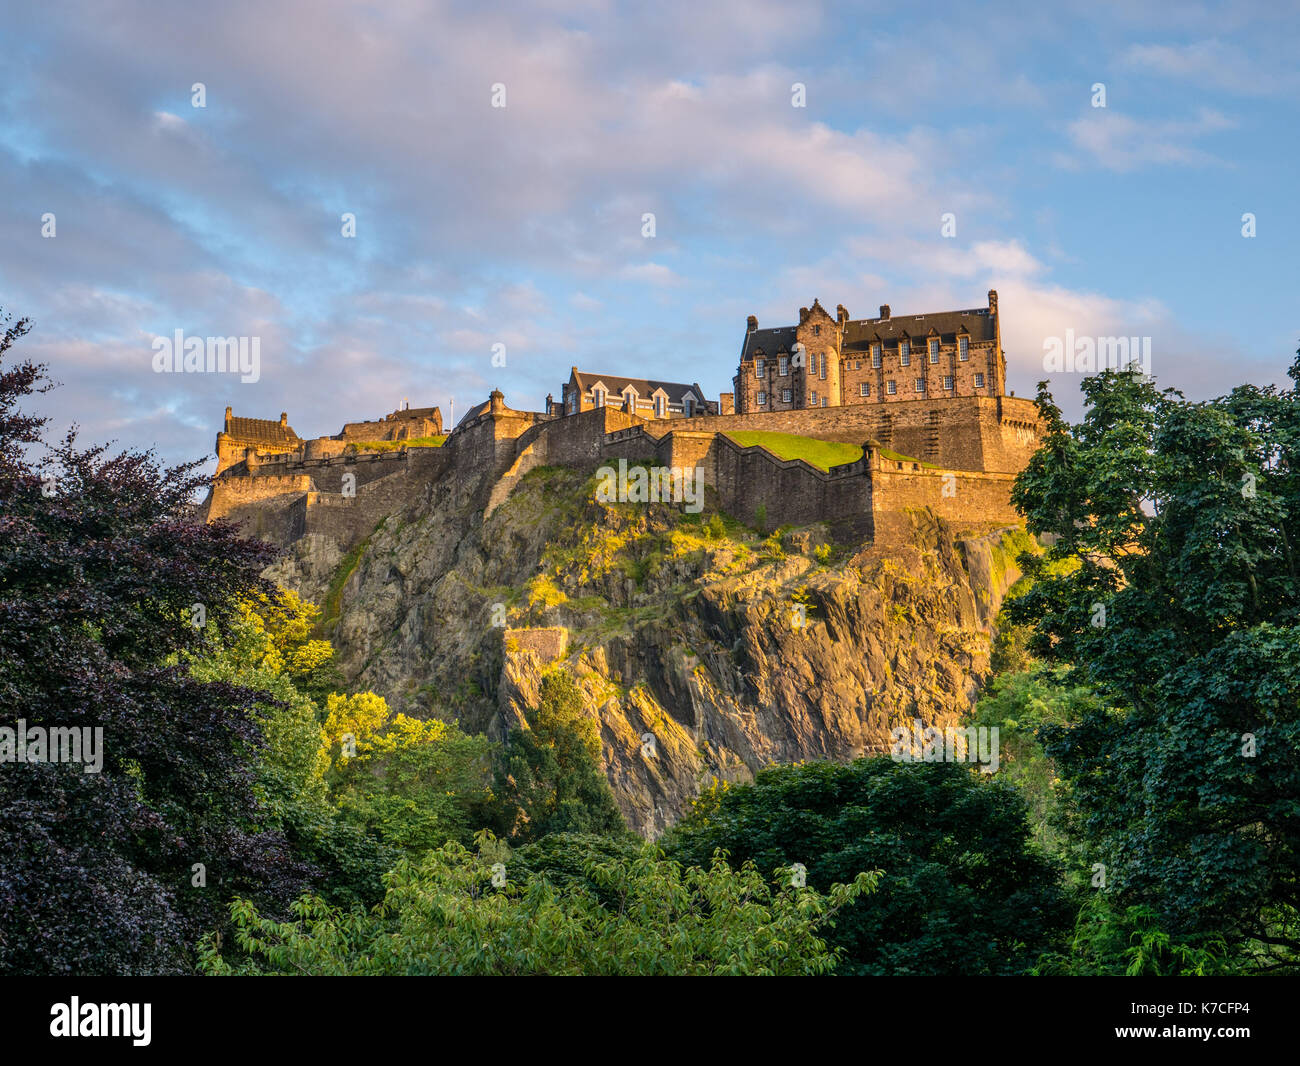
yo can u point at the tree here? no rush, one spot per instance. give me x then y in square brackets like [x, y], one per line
[445, 915]
[549, 779]
[101, 566]
[962, 891]
[1171, 593]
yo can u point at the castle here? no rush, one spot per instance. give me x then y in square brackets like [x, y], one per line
[922, 396]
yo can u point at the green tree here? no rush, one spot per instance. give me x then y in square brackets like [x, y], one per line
[101, 563]
[962, 889]
[549, 779]
[444, 915]
[1171, 593]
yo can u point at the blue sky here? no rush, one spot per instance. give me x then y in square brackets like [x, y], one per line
[522, 225]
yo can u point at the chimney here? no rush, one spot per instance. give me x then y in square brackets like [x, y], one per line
[753, 323]
[884, 310]
[993, 301]
[841, 314]
[284, 418]
[229, 414]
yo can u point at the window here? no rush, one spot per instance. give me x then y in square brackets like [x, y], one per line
[857, 364]
[905, 352]
[761, 398]
[598, 397]
[812, 398]
[783, 365]
[573, 403]
[920, 384]
[760, 368]
[891, 387]
[864, 389]
[947, 383]
[963, 348]
[687, 406]
[660, 410]
[817, 331]
[785, 395]
[875, 355]
[825, 401]
[979, 381]
[934, 350]
[822, 373]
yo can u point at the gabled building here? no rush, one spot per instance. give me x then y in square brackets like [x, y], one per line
[586, 391]
[834, 361]
[264, 435]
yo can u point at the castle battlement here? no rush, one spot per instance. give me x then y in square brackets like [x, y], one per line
[954, 449]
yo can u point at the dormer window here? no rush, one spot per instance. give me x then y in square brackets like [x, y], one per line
[598, 396]
[660, 409]
[783, 365]
[760, 368]
[963, 348]
[875, 355]
[934, 350]
[687, 406]
[905, 352]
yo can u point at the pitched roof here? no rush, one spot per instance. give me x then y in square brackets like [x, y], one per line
[771, 341]
[977, 322]
[261, 431]
[859, 334]
[474, 412]
[616, 384]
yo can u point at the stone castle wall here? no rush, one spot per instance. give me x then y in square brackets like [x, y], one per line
[971, 448]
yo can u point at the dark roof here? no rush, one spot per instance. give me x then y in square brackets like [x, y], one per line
[858, 335]
[474, 412]
[947, 324]
[261, 430]
[616, 384]
[413, 412]
[771, 341]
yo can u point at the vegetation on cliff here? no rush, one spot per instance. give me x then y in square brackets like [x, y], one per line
[248, 810]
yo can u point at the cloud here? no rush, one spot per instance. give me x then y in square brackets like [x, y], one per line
[1122, 143]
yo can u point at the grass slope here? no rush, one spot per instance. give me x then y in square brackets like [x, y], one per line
[822, 454]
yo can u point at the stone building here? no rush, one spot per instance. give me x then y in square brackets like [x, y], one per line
[838, 361]
[261, 435]
[585, 391]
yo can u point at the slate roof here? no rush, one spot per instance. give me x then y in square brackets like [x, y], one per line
[645, 388]
[261, 431]
[858, 335]
[947, 324]
[771, 341]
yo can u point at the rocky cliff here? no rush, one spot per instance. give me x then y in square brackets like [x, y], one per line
[705, 648]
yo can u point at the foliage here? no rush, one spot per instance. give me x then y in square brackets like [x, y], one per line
[413, 784]
[443, 915]
[962, 889]
[101, 562]
[549, 779]
[1130, 943]
[1171, 592]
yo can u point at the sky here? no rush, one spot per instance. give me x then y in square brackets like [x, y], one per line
[860, 154]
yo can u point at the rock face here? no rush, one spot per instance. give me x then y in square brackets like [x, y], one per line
[705, 649]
